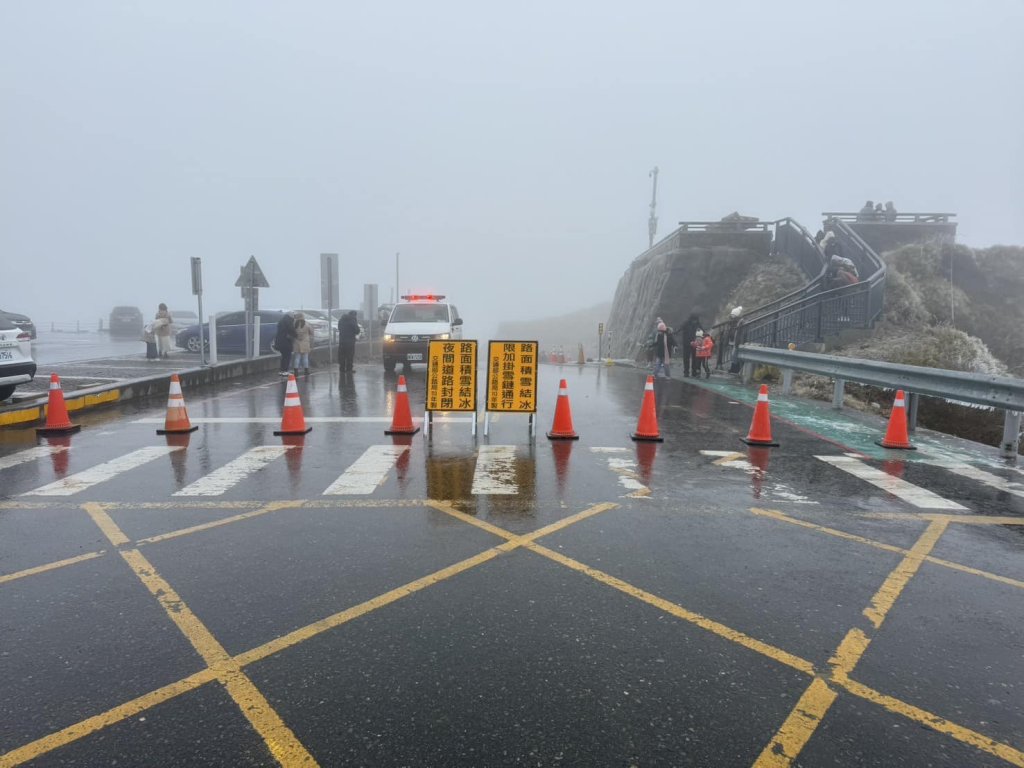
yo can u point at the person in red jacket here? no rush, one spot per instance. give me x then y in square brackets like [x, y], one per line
[703, 345]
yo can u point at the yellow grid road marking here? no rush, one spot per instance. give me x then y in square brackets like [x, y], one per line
[798, 727]
[279, 738]
[342, 617]
[940, 724]
[889, 592]
[777, 654]
[105, 524]
[272, 507]
[51, 566]
[91, 725]
[776, 515]
[849, 651]
[815, 702]
[963, 519]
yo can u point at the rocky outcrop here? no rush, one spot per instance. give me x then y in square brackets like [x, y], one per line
[686, 272]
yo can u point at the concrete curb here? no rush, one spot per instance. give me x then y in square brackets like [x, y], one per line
[24, 414]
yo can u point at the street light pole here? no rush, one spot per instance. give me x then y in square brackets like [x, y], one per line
[652, 222]
[396, 277]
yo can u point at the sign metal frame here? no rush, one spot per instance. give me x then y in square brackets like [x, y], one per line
[435, 361]
[496, 353]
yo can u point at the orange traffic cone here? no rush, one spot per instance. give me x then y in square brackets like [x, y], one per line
[761, 425]
[57, 421]
[401, 421]
[292, 420]
[896, 434]
[177, 417]
[561, 428]
[647, 425]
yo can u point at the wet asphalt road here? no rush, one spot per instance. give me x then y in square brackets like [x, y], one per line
[600, 602]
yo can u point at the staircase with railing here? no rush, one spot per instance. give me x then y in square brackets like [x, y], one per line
[814, 312]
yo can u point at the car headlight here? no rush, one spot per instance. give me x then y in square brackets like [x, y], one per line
[388, 337]
[443, 336]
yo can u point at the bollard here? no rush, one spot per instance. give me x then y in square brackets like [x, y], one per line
[1010, 445]
[912, 400]
[213, 339]
[787, 380]
[837, 394]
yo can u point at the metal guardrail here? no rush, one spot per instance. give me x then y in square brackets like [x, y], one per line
[999, 392]
[901, 218]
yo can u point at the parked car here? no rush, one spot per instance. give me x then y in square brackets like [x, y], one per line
[16, 363]
[126, 321]
[22, 321]
[182, 318]
[231, 332]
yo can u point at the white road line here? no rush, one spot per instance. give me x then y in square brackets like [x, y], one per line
[909, 492]
[366, 474]
[972, 472]
[495, 472]
[770, 489]
[231, 474]
[625, 468]
[31, 454]
[87, 478]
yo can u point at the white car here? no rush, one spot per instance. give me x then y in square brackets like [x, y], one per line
[413, 323]
[16, 363]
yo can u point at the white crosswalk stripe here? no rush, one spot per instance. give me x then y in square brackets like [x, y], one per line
[367, 473]
[495, 473]
[22, 457]
[625, 467]
[987, 478]
[85, 479]
[221, 480]
[908, 492]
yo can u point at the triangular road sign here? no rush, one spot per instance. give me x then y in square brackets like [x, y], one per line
[252, 275]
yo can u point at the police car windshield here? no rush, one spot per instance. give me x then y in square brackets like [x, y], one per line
[420, 313]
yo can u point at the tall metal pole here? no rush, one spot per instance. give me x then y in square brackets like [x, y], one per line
[652, 222]
[397, 290]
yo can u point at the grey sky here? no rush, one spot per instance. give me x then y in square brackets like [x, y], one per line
[504, 151]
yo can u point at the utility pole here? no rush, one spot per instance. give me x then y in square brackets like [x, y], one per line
[652, 223]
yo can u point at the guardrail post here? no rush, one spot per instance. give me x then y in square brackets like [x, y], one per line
[748, 373]
[912, 412]
[837, 394]
[1010, 446]
[787, 380]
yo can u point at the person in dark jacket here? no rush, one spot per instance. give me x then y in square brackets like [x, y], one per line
[284, 342]
[348, 330]
[688, 332]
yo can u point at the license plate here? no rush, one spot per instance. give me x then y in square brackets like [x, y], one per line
[6, 354]
[411, 356]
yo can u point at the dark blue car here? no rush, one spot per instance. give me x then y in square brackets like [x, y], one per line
[231, 332]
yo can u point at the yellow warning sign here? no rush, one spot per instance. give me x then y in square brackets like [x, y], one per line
[512, 376]
[451, 376]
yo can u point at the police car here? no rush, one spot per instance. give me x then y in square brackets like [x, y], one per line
[413, 322]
